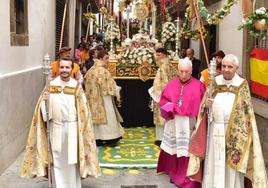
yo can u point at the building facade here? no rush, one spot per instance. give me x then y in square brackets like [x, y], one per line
[29, 30]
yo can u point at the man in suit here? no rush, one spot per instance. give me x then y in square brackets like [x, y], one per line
[196, 63]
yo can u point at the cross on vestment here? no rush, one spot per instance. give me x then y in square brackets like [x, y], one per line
[218, 142]
[182, 133]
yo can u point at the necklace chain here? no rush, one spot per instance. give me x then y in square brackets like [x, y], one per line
[182, 88]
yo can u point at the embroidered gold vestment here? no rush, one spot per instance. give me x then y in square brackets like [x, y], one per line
[165, 73]
[35, 160]
[98, 83]
[243, 149]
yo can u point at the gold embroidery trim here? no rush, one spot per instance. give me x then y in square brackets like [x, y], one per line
[55, 89]
[231, 124]
[224, 88]
[67, 90]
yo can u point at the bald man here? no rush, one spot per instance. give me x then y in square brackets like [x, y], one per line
[179, 105]
[195, 62]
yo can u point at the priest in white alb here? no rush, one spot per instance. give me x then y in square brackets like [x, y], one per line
[100, 89]
[233, 150]
[165, 73]
[72, 138]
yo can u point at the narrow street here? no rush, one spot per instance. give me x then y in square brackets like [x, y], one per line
[127, 178]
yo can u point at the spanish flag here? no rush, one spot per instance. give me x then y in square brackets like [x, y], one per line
[259, 72]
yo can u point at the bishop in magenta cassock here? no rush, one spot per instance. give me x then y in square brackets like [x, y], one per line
[179, 104]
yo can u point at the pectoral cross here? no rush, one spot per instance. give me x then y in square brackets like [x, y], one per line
[180, 102]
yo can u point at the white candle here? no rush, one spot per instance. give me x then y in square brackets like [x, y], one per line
[151, 30]
[100, 21]
[153, 20]
[128, 10]
[91, 27]
[97, 22]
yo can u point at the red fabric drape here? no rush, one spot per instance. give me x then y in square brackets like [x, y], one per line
[179, 8]
[112, 9]
[163, 6]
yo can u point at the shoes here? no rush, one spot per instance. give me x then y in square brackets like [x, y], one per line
[157, 142]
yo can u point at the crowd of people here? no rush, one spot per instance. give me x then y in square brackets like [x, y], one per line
[208, 138]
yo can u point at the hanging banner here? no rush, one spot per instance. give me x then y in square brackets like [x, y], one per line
[163, 7]
[259, 72]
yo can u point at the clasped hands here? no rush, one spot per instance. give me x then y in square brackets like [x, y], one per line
[46, 95]
[209, 102]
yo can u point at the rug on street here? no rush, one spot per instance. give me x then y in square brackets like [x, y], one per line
[135, 150]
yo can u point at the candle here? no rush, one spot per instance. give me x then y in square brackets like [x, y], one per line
[97, 22]
[91, 27]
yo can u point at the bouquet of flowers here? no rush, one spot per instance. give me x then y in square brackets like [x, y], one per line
[168, 33]
[256, 23]
[172, 55]
[138, 56]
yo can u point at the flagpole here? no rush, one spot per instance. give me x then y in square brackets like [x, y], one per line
[200, 26]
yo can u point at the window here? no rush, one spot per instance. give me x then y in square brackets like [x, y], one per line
[19, 23]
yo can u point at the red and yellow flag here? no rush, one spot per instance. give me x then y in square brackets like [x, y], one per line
[259, 72]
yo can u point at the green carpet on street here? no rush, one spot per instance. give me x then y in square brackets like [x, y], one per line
[135, 150]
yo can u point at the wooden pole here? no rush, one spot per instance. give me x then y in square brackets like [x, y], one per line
[63, 23]
[200, 26]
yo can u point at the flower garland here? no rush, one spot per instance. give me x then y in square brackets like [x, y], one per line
[218, 15]
[90, 15]
[186, 32]
[168, 33]
[138, 56]
[103, 11]
[260, 15]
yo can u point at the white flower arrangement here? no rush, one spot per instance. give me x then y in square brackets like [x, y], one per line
[138, 56]
[256, 23]
[172, 55]
[168, 32]
[112, 32]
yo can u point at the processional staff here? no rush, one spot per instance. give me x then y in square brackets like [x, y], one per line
[46, 72]
[212, 73]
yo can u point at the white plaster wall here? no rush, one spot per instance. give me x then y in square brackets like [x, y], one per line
[41, 21]
[21, 78]
[230, 39]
